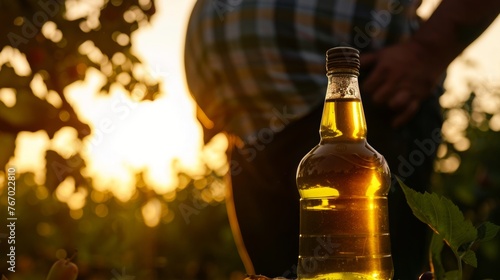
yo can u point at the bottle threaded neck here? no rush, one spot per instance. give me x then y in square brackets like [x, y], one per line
[342, 60]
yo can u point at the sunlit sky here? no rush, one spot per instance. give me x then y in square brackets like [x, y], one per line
[128, 136]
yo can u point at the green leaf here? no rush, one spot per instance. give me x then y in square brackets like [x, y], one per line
[442, 216]
[436, 247]
[469, 257]
[452, 275]
[487, 231]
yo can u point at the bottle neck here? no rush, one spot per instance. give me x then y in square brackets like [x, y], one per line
[343, 117]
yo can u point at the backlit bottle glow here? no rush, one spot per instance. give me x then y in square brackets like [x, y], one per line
[343, 183]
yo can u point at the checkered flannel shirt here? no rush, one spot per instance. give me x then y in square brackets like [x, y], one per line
[255, 66]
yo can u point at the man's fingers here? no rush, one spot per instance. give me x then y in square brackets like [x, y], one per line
[368, 59]
[406, 115]
[368, 63]
[400, 100]
[383, 93]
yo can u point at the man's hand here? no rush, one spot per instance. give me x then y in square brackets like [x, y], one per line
[400, 78]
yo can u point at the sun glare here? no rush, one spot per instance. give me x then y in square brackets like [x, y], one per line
[158, 138]
[30, 154]
[128, 136]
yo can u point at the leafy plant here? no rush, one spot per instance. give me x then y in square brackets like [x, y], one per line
[59, 42]
[450, 228]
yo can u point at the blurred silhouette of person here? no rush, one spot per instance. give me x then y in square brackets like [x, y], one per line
[256, 69]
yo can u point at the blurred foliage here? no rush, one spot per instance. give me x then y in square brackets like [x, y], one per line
[60, 43]
[191, 241]
[48, 45]
[475, 185]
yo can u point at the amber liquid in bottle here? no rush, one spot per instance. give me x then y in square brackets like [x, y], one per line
[343, 183]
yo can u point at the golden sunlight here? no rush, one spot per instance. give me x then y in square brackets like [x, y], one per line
[151, 212]
[158, 138]
[129, 137]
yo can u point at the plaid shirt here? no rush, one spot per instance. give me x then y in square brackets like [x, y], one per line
[255, 66]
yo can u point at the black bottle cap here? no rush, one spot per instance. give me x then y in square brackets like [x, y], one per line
[342, 60]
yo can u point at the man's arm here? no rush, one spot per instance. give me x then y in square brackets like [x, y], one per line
[453, 26]
[404, 74]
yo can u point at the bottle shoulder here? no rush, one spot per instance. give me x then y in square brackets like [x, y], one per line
[351, 168]
[361, 152]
